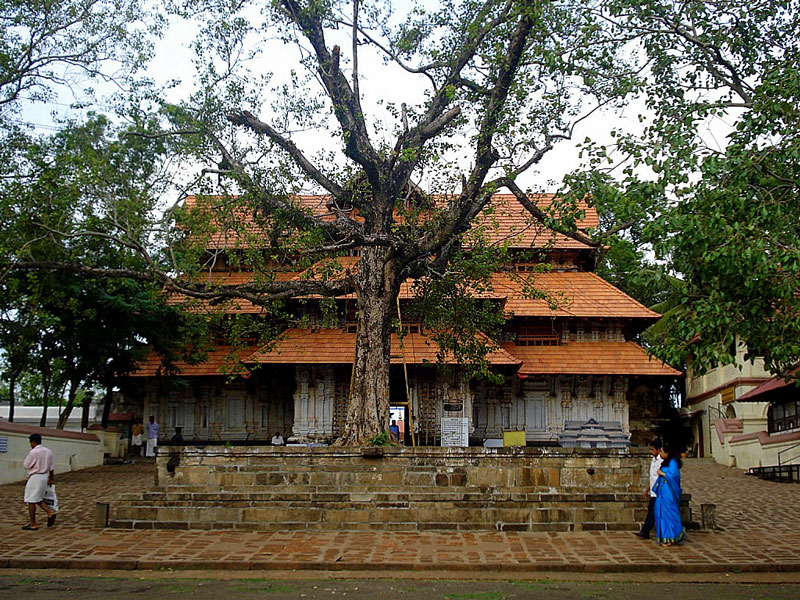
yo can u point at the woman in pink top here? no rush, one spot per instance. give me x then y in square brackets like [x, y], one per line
[39, 464]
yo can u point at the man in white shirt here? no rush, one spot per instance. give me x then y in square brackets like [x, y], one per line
[39, 464]
[152, 437]
[655, 465]
[277, 439]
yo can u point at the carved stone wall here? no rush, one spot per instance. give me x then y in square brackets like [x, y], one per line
[214, 409]
[541, 406]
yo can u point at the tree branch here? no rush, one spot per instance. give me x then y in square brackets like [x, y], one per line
[247, 119]
[543, 217]
[346, 104]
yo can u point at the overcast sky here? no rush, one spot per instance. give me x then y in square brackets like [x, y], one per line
[174, 61]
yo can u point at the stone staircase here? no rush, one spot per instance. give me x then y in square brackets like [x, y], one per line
[423, 509]
[402, 489]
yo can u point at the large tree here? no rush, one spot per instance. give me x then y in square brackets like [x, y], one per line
[72, 328]
[477, 94]
[499, 81]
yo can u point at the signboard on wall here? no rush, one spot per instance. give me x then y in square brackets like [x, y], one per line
[3, 444]
[728, 395]
[455, 431]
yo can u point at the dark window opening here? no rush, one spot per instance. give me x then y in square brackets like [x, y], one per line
[538, 335]
[783, 417]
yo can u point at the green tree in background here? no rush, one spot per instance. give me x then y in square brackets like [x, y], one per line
[74, 329]
[49, 44]
[712, 179]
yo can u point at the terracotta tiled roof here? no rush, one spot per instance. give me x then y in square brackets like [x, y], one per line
[235, 237]
[588, 358]
[235, 305]
[759, 393]
[572, 294]
[334, 267]
[334, 346]
[508, 221]
[221, 360]
[513, 222]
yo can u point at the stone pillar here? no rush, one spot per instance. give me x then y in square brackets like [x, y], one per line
[620, 405]
[565, 414]
[465, 393]
[582, 408]
[301, 399]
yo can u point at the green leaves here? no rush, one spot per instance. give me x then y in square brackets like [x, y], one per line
[717, 212]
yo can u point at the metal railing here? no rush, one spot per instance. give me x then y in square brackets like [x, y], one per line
[787, 450]
[784, 473]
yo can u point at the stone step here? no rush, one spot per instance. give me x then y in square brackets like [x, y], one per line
[224, 497]
[299, 489]
[414, 517]
[373, 526]
[155, 498]
[141, 508]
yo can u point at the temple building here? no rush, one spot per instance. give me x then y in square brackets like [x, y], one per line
[568, 356]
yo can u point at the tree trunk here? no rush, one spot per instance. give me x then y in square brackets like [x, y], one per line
[107, 404]
[46, 380]
[87, 401]
[377, 289]
[62, 418]
[12, 396]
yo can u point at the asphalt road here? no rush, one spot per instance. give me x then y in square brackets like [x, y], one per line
[23, 586]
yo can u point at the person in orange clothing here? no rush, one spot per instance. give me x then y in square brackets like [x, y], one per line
[136, 437]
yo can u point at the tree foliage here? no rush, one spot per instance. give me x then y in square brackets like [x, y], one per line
[53, 43]
[712, 178]
[70, 327]
[480, 93]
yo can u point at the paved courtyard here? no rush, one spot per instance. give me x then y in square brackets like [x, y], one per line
[758, 521]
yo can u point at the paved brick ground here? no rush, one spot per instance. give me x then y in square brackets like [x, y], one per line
[758, 521]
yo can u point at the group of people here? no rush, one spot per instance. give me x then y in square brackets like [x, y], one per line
[664, 491]
[138, 431]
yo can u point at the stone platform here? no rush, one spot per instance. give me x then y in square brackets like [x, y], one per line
[757, 520]
[391, 489]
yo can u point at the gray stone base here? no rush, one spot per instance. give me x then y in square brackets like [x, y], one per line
[393, 489]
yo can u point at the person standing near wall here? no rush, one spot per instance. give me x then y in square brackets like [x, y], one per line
[655, 465]
[136, 437]
[39, 464]
[394, 431]
[667, 509]
[152, 437]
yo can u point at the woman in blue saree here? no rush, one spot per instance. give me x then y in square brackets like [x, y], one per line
[669, 528]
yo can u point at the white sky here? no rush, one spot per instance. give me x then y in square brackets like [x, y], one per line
[174, 61]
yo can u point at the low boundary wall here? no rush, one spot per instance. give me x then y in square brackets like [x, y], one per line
[71, 450]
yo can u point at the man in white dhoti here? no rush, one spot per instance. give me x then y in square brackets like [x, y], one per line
[39, 464]
[152, 437]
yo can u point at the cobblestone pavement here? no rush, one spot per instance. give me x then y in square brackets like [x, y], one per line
[757, 520]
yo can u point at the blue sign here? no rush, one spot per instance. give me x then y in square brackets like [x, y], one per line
[3, 444]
